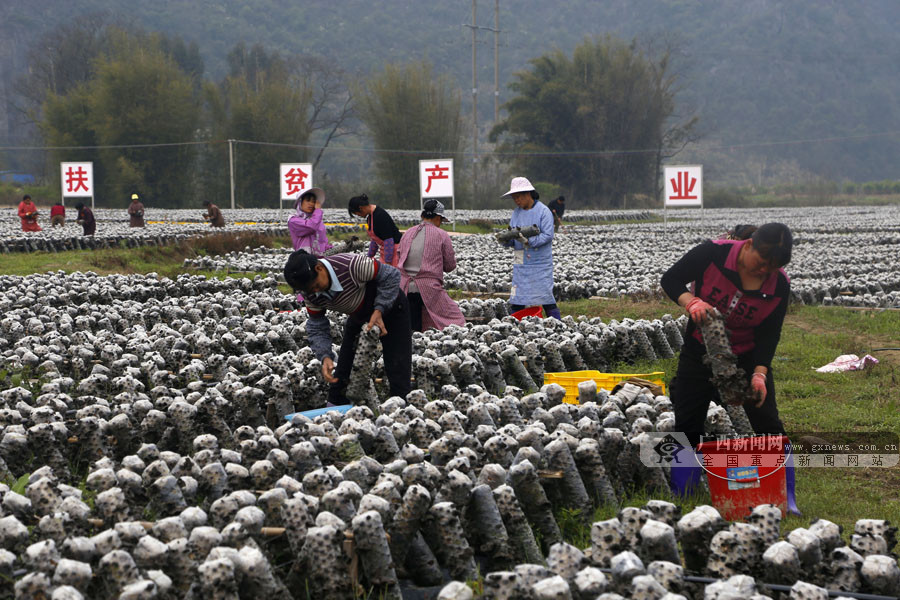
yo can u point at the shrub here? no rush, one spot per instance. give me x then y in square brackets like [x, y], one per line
[483, 224]
[223, 243]
[724, 197]
[43, 195]
[548, 191]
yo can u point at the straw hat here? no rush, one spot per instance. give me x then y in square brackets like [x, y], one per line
[518, 184]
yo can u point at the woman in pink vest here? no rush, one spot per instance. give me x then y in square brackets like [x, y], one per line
[380, 227]
[425, 254]
[745, 281]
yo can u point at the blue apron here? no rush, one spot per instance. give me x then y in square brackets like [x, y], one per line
[532, 278]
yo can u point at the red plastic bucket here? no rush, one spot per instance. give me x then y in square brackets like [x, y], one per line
[530, 311]
[746, 472]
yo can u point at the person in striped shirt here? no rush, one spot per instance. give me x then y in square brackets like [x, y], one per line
[368, 292]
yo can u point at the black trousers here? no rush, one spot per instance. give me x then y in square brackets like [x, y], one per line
[692, 389]
[517, 307]
[416, 306]
[397, 346]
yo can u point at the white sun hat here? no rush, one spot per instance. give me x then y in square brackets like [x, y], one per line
[518, 184]
[318, 192]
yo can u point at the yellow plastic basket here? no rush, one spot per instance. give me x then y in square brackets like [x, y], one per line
[570, 380]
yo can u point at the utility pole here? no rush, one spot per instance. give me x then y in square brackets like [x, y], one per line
[496, 61]
[52, 69]
[231, 169]
[474, 107]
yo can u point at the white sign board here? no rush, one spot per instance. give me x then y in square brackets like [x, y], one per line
[436, 178]
[684, 186]
[77, 179]
[295, 177]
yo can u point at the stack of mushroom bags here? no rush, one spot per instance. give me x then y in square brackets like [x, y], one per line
[219, 505]
[851, 265]
[143, 437]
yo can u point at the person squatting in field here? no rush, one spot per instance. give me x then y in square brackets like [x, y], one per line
[213, 215]
[86, 219]
[28, 214]
[58, 214]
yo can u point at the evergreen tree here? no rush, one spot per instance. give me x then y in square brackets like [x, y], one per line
[597, 123]
[411, 115]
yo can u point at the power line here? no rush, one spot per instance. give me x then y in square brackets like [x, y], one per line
[110, 147]
[724, 146]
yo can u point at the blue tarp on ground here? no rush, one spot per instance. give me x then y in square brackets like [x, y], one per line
[315, 412]
[19, 178]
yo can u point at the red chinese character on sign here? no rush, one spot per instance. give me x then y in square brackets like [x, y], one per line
[76, 178]
[683, 187]
[435, 172]
[296, 180]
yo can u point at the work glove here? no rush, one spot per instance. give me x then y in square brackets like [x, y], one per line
[699, 310]
[502, 237]
[758, 386]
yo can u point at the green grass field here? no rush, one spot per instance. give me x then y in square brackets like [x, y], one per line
[808, 401]
[861, 401]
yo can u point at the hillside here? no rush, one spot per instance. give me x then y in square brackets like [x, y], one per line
[781, 87]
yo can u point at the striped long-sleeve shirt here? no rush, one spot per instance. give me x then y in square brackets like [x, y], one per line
[355, 273]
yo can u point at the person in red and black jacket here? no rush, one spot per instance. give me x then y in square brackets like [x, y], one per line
[745, 281]
[380, 227]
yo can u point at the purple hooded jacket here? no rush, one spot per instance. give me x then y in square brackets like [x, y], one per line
[308, 231]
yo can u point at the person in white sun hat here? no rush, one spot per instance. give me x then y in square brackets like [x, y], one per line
[532, 277]
[307, 226]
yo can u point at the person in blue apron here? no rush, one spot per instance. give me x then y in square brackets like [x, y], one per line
[532, 277]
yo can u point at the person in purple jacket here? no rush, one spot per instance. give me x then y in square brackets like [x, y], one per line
[745, 281]
[307, 227]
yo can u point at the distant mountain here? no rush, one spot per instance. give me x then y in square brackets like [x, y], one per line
[801, 86]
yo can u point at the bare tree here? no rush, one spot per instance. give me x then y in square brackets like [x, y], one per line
[679, 130]
[61, 60]
[332, 106]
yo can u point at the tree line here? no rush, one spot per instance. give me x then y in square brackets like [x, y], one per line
[595, 125]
